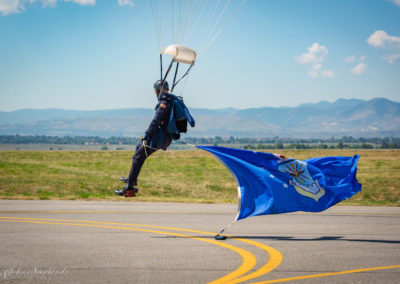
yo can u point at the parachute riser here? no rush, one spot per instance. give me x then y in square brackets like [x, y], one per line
[184, 75]
[164, 78]
[176, 72]
[166, 74]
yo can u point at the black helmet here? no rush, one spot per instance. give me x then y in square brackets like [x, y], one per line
[160, 84]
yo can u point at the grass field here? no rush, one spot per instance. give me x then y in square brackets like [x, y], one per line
[174, 176]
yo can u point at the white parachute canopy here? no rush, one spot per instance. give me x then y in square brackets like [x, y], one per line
[194, 23]
[180, 53]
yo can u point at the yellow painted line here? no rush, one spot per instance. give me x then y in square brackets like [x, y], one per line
[116, 212]
[274, 260]
[361, 213]
[191, 212]
[109, 223]
[248, 259]
[327, 274]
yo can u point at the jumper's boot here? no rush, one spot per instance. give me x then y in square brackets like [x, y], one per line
[127, 191]
[124, 179]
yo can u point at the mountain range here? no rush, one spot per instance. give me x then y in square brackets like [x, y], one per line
[377, 117]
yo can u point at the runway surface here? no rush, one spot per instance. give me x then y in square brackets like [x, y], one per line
[132, 242]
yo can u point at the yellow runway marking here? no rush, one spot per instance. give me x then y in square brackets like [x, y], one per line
[274, 260]
[275, 257]
[191, 212]
[327, 274]
[360, 213]
[115, 212]
[249, 260]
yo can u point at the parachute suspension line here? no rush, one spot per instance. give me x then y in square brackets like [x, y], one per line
[189, 18]
[184, 85]
[217, 21]
[198, 20]
[166, 74]
[222, 28]
[186, 17]
[157, 23]
[184, 20]
[159, 17]
[176, 21]
[180, 20]
[193, 12]
[172, 19]
[161, 65]
[211, 20]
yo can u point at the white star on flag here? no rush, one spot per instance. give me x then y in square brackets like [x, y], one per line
[285, 185]
[271, 176]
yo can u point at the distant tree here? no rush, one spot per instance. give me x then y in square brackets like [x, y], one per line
[367, 146]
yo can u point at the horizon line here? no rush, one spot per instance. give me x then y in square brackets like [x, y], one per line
[224, 108]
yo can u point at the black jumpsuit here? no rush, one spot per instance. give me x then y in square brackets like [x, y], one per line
[158, 123]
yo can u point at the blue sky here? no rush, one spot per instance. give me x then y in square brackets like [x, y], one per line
[104, 54]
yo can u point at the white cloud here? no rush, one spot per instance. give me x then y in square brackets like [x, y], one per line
[51, 3]
[16, 6]
[313, 73]
[349, 59]
[10, 6]
[383, 40]
[126, 3]
[82, 2]
[397, 2]
[392, 58]
[315, 56]
[359, 69]
[316, 53]
[317, 66]
[328, 73]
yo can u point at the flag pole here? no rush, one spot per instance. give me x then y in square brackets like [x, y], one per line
[221, 237]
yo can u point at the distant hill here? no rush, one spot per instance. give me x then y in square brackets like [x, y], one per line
[378, 117]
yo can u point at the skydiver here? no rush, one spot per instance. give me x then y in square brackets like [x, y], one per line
[156, 131]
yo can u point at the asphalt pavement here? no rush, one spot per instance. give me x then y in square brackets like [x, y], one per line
[132, 242]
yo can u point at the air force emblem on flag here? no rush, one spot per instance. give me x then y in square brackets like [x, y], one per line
[301, 180]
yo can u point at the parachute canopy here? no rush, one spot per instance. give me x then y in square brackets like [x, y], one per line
[194, 23]
[180, 53]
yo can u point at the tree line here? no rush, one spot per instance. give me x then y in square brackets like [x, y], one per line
[67, 140]
[345, 142]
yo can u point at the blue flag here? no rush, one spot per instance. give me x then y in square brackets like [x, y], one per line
[272, 184]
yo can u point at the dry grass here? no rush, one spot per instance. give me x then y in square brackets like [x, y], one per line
[180, 176]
